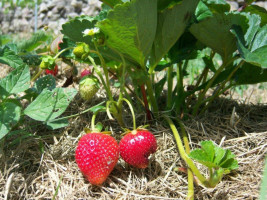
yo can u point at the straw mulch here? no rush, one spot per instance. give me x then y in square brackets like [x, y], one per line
[43, 167]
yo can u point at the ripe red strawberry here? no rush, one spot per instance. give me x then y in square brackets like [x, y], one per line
[85, 72]
[53, 72]
[136, 146]
[88, 87]
[96, 156]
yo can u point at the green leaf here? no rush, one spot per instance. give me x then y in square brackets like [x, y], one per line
[215, 32]
[3, 92]
[219, 155]
[35, 41]
[57, 124]
[8, 57]
[228, 161]
[162, 4]
[255, 55]
[214, 156]
[254, 25]
[97, 108]
[79, 24]
[250, 74]
[184, 49]
[10, 112]
[172, 22]
[130, 29]
[254, 9]
[217, 6]
[4, 39]
[112, 3]
[205, 155]
[46, 82]
[16, 81]
[202, 157]
[260, 40]
[74, 28]
[31, 59]
[202, 11]
[50, 104]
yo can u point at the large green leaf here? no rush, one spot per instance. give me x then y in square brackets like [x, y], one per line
[10, 112]
[50, 104]
[74, 28]
[35, 41]
[254, 9]
[254, 25]
[7, 56]
[172, 22]
[16, 81]
[112, 3]
[250, 74]
[217, 6]
[130, 29]
[162, 4]
[79, 24]
[46, 82]
[184, 49]
[215, 32]
[257, 52]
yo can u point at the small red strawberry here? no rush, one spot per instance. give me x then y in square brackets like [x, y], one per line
[85, 72]
[53, 72]
[96, 156]
[136, 146]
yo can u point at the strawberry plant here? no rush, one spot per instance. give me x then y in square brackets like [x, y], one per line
[141, 52]
[40, 93]
[151, 44]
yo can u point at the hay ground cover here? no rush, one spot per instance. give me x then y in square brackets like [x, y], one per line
[43, 166]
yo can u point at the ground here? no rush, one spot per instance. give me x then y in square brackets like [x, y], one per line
[43, 166]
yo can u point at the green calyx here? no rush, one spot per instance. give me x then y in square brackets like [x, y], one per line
[90, 80]
[81, 50]
[48, 62]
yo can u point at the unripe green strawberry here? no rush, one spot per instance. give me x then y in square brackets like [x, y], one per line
[81, 50]
[88, 87]
[48, 62]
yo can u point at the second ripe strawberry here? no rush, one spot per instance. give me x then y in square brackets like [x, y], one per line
[136, 146]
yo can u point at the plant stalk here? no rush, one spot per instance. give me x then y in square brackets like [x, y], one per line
[221, 88]
[148, 114]
[184, 155]
[170, 86]
[180, 87]
[152, 98]
[203, 93]
[190, 178]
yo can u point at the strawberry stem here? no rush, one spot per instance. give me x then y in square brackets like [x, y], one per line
[132, 111]
[148, 114]
[59, 53]
[37, 75]
[184, 155]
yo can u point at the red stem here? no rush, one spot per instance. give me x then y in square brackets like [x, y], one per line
[148, 113]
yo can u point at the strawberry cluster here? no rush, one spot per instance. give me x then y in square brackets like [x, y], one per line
[97, 153]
